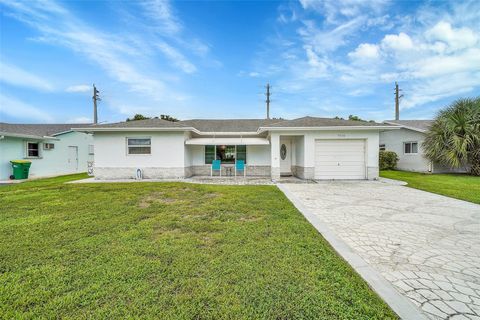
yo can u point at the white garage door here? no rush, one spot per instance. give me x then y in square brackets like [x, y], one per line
[340, 159]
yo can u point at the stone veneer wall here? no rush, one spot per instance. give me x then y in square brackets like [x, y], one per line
[303, 172]
[110, 173]
[252, 171]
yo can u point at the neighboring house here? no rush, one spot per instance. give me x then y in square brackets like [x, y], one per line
[407, 144]
[53, 149]
[309, 148]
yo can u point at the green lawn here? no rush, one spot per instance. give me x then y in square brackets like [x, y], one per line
[460, 186]
[169, 251]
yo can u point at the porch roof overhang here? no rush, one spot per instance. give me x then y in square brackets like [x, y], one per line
[227, 141]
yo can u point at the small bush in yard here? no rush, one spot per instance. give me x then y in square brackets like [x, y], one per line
[388, 160]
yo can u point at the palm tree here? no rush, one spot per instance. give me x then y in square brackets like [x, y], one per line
[454, 137]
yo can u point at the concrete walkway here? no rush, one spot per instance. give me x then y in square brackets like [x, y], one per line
[424, 245]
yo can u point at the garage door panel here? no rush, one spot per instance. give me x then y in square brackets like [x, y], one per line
[339, 159]
[344, 149]
[341, 166]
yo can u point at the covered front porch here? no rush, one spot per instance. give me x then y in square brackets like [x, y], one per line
[258, 153]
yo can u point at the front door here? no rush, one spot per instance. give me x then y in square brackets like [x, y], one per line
[72, 158]
[285, 157]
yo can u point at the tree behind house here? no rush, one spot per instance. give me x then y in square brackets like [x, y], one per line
[162, 116]
[168, 118]
[138, 117]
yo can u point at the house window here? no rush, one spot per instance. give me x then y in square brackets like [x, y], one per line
[91, 149]
[225, 153]
[242, 153]
[139, 146]
[382, 147]
[209, 154]
[410, 147]
[33, 149]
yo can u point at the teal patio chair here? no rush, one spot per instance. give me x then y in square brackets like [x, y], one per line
[216, 166]
[240, 166]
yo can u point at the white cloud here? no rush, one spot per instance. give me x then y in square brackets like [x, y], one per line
[436, 65]
[16, 76]
[365, 51]
[176, 57]
[254, 74]
[318, 67]
[336, 10]
[160, 11]
[400, 42]
[455, 38]
[434, 52]
[329, 40]
[109, 51]
[21, 110]
[79, 88]
[438, 88]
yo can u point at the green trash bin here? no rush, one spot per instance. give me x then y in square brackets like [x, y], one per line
[20, 169]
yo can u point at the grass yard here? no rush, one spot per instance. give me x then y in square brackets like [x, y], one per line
[459, 186]
[169, 251]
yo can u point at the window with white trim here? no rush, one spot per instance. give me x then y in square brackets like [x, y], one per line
[139, 146]
[33, 149]
[410, 147]
[91, 149]
[382, 147]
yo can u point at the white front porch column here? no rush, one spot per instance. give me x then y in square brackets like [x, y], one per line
[275, 155]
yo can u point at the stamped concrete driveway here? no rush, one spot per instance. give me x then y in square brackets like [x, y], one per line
[426, 245]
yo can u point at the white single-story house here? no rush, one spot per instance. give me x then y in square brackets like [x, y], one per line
[308, 148]
[53, 149]
[407, 144]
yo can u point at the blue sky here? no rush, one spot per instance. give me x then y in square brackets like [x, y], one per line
[212, 59]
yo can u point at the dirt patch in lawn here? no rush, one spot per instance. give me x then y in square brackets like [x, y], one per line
[156, 197]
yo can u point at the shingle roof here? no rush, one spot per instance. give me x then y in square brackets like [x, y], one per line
[422, 125]
[39, 130]
[148, 123]
[229, 125]
[322, 122]
[235, 125]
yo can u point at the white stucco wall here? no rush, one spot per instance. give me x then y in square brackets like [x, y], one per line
[394, 140]
[188, 158]
[51, 162]
[299, 150]
[167, 150]
[258, 155]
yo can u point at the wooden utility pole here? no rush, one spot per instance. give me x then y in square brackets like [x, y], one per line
[95, 99]
[268, 100]
[398, 96]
